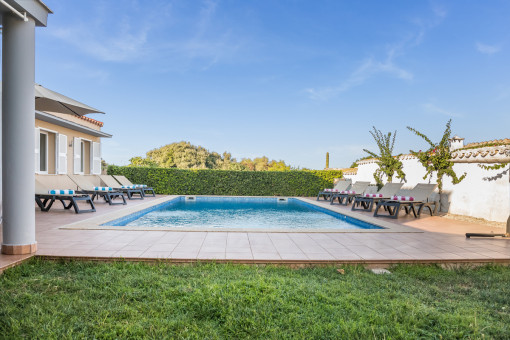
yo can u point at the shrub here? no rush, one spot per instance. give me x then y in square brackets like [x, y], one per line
[230, 182]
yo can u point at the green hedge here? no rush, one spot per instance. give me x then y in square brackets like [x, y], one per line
[226, 182]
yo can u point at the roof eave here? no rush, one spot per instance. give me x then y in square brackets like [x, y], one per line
[49, 118]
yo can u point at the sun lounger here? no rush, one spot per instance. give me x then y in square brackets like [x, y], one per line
[126, 183]
[49, 189]
[366, 202]
[347, 196]
[91, 184]
[341, 185]
[416, 198]
[109, 181]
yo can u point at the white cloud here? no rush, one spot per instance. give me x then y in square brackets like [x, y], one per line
[203, 40]
[368, 69]
[487, 49]
[123, 42]
[429, 107]
[387, 65]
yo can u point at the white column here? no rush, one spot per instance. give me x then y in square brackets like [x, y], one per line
[18, 108]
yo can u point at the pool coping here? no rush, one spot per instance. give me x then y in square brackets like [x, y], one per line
[96, 223]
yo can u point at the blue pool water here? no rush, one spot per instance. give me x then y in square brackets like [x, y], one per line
[240, 213]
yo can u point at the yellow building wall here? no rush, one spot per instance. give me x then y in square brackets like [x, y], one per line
[70, 135]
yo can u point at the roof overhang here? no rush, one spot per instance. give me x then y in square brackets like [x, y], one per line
[49, 118]
[36, 9]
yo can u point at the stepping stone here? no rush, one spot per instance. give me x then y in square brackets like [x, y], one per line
[380, 271]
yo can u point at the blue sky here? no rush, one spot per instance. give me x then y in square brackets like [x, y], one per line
[291, 80]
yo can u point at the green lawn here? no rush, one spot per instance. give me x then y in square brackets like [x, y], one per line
[42, 299]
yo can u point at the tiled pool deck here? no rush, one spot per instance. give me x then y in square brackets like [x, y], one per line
[423, 240]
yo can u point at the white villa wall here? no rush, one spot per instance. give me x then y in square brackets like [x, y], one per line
[482, 194]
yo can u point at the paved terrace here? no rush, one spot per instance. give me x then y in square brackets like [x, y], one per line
[428, 240]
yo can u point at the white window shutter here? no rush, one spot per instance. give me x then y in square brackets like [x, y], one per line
[62, 154]
[77, 155]
[37, 150]
[96, 158]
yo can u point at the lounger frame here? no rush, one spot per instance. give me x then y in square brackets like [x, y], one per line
[328, 194]
[108, 196]
[46, 201]
[393, 208]
[110, 181]
[366, 203]
[343, 199]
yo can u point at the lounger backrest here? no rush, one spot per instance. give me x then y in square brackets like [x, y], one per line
[61, 182]
[343, 184]
[390, 189]
[86, 182]
[109, 181]
[422, 191]
[360, 187]
[123, 180]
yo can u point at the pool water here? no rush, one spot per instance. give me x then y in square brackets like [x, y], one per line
[240, 213]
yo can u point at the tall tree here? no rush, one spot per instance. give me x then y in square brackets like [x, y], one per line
[184, 155]
[437, 158]
[327, 160]
[388, 164]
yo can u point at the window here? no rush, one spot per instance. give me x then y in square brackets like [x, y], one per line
[43, 147]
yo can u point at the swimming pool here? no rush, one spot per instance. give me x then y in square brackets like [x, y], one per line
[234, 213]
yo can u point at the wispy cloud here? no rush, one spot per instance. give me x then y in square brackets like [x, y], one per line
[368, 69]
[200, 39]
[79, 70]
[386, 65]
[487, 49]
[432, 108]
[104, 41]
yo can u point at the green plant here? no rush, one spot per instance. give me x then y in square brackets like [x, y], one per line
[437, 158]
[230, 182]
[355, 163]
[388, 164]
[327, 160]
[500, 166]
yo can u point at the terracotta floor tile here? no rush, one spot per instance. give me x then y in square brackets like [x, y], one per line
[238, 250]
[319, 256]
[212, 249]
[433, 238]
[211, 256]
[238, 256]
[293, 256]
[183, 255]
[266, 256]
[131, 247]
[156, 254]
[128, 253]
[164, 247]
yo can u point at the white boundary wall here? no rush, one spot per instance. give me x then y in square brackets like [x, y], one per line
[482, 194]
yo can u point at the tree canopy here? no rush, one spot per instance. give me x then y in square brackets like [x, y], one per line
[184, 155]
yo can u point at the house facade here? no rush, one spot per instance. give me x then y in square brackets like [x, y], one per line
[67, 144]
